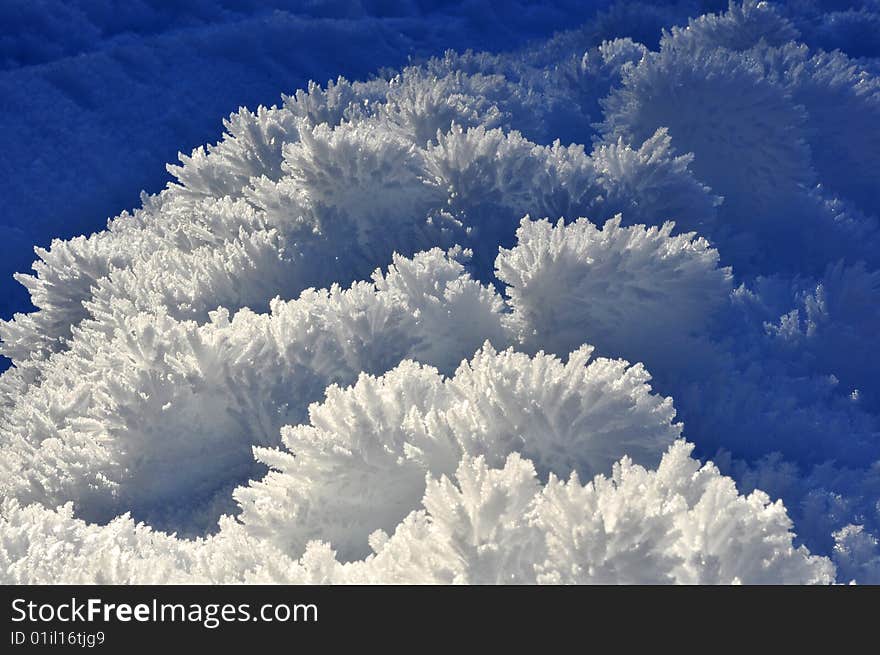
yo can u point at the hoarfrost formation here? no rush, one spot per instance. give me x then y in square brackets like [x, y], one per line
[398, 331]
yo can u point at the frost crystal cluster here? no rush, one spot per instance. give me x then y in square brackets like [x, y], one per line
[400, 330]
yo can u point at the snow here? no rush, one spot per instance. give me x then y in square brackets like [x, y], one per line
[601, 308]
[95, 100]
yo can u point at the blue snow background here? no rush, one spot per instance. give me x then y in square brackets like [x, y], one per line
[96, 96]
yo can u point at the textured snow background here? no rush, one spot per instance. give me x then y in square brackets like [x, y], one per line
[484, 318]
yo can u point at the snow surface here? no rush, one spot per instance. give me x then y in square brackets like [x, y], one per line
[96, 99]
[483, 318]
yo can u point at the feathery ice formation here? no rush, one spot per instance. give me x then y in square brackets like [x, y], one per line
[396, 331]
